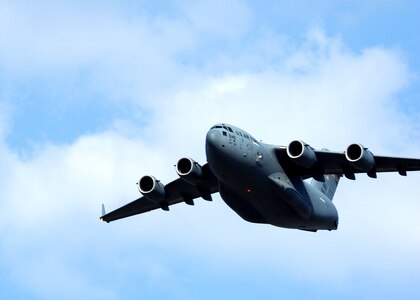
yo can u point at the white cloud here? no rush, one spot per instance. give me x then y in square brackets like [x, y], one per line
[119, 53]
[333, 100]
[326, 94]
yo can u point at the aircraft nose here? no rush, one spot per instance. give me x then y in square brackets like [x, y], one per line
[213, 139]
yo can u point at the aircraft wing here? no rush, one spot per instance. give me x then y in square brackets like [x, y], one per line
[336, 163]
[176, 191]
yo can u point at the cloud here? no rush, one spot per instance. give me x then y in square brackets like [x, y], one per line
[318, 94]
[321, 92]
[5, 118]
[116, 47]
[226, 26]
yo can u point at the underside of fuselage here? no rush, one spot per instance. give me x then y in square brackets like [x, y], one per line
[267, 207]
[240, 206]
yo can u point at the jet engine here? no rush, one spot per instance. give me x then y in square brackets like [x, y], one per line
[189, 170]
[360, 157]
[151, 188]
[301, 153]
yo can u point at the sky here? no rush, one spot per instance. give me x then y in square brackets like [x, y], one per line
[95, 94]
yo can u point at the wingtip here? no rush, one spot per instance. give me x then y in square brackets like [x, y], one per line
[103, 214]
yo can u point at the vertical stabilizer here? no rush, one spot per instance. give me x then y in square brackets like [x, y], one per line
[329, 185]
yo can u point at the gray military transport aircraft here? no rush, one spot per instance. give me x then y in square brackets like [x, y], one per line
[263, 183]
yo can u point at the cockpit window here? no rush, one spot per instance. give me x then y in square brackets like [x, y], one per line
[228, 128]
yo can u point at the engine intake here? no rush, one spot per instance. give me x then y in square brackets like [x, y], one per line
[360, 157]
[301, 153]
[189, 170]
[151, 188]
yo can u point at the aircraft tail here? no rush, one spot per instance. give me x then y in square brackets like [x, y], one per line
[329, 185]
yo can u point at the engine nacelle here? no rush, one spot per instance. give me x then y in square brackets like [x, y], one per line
[301, 153]
[360, 157]
[151, 188]
[189, 170]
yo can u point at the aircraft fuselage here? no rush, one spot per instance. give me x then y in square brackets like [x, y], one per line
[254, 185]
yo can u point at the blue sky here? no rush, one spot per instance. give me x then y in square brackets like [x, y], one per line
[95, 94]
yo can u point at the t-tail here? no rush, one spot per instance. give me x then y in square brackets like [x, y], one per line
[329, 186]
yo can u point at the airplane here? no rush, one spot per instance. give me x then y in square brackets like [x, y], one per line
[264, 183]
